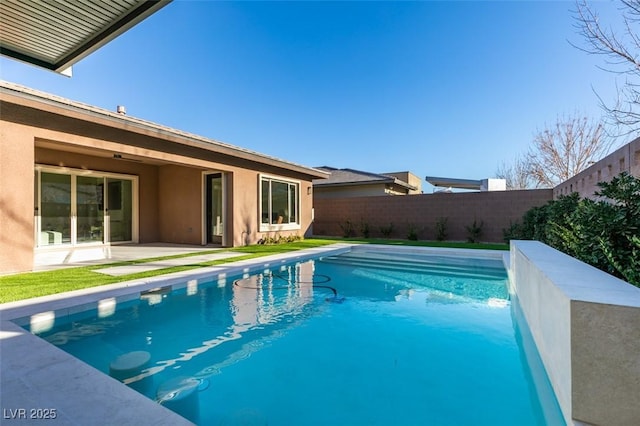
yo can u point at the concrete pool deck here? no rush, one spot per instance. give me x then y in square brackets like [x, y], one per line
[39, 380]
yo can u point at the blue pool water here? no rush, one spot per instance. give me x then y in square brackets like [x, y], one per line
[409, 340]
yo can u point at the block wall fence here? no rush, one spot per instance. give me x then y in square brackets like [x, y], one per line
[497, 210]
[585, 183]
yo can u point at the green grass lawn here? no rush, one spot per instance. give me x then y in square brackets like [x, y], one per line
[34, 284]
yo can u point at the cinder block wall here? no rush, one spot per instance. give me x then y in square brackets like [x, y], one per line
[496, 210]
[585, 183]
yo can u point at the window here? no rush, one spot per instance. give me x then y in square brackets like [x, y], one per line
[279, 205]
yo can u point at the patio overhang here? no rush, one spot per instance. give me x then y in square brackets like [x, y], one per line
[454, 183]
[56, 35]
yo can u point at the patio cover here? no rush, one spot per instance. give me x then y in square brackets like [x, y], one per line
[56, 34]
[454, 183]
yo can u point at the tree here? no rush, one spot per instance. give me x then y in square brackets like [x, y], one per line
[516, 174]
[621, 50]
[563, 150]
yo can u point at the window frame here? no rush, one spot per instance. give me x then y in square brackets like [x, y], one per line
[271, 227]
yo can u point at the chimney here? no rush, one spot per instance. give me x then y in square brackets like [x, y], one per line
[121, 110]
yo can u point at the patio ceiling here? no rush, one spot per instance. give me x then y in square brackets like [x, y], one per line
[56, 34]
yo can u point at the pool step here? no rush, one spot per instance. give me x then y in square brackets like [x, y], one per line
[435, 266]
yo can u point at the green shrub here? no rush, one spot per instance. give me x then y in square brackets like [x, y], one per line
[560, 213]
[627, 267]
[619, 237]
[603, 233]
[475, 231]
[515, 231]
[412, 232]
[386, 230]
[441, 228]
[538, 222]
[347, 229]
[279, 239]
[364, 228]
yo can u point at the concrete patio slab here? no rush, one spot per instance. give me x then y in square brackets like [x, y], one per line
[117, 271]
[126, 252]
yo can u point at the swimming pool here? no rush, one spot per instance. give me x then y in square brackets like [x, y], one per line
[409, 339]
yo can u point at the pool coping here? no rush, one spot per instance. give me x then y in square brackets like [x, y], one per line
[39, 376]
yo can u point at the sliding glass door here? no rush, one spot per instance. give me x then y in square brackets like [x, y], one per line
[74, 208]
[55, 209]
[89, 209]
[214, 208]
[120, 209]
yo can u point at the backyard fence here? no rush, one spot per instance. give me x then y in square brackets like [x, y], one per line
[453, 216]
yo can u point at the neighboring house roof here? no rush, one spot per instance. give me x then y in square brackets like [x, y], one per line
[344, 177]
[17, 101]
[57, 34]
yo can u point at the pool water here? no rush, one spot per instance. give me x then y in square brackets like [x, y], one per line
[406, 341]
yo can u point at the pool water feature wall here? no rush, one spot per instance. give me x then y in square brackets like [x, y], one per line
[586, 327]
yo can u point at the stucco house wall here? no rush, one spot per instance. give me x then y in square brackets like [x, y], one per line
[409, 178]
[16, 197]
[40, 133]
[180, 196]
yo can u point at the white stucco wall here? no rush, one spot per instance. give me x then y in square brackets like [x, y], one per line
[586, 326]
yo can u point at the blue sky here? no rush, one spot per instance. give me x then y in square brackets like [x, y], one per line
[437, 88]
